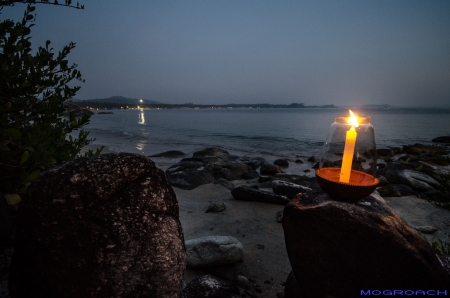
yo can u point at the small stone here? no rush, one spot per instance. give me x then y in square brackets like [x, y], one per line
[216, 206]
[225, 183]
[260, 246]
[281, 162]
[298, 161]
[312, 159]
[213, 251]
[243, 282]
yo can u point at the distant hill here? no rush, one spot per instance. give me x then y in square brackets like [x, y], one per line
[118, 100]
[377, 106]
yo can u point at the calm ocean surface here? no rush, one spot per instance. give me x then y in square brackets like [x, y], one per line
[287, 133]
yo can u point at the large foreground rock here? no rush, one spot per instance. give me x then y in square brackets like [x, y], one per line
[213, 251]
[338, 249]
[101, 227]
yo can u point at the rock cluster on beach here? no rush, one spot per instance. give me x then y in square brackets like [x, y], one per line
[400, 174]
[413, 169]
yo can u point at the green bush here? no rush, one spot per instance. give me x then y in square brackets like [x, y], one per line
[34, 90]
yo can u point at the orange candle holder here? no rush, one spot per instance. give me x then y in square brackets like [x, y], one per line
[360, 185]
[348, 163]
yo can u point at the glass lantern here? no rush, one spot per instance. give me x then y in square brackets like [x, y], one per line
[348, 163]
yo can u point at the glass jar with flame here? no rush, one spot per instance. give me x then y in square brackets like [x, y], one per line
[348, 163]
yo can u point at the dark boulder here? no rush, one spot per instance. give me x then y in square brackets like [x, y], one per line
[444, 139]
[430, 149]
[269, 169]
[413, 150]
[263, 179]
[397, 150]
[385, 152]
[214, 151]
[389, 191]
[189, 174]
[230, 171]
[101, 227]
[207, 160]
[281, 162]
[209, 286]
[169, 154]
[250, 175]
[405, 190]
[288, 189]
[246, 193]
[425, 149]
[338, 249]
[253, 162]
[400, 174]
[409, 158]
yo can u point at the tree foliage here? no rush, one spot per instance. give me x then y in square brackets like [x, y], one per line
[34, 90]
[53, 2]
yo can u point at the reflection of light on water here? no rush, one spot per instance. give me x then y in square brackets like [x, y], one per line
[141, 117]
[140, 146]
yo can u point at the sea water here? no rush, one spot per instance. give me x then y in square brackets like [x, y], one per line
[289, 133]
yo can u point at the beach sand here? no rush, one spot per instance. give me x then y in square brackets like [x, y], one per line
[254, 224]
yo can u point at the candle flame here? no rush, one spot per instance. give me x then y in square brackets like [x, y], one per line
[353, 120]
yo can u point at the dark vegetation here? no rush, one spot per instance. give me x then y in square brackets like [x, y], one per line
[34, 92]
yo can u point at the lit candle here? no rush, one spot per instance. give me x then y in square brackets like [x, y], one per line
[349, 149]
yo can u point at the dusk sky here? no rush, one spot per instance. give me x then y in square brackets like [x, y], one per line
[256, 51]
